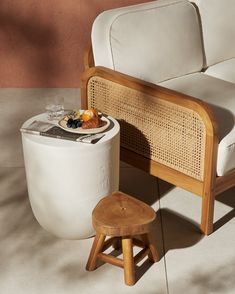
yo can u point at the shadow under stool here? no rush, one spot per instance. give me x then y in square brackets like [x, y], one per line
[122, 218]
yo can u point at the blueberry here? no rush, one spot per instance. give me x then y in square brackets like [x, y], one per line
[74, 125]
[69, 124]
[78, 123]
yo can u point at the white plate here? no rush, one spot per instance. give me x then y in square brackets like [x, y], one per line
[62, 124]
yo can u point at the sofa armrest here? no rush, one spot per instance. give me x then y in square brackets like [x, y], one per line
[173, 129]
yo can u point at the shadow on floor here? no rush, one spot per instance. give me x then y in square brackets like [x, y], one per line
[178, 232]
[227, 198]
[171, 230]
[22, 240]
[219, 280]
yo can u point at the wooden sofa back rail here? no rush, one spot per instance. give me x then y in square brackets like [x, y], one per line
[172, 129]
[88, 59]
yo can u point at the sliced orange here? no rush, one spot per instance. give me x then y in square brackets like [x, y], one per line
[89, 113]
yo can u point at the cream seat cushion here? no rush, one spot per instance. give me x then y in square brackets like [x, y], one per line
[220, 95]
[224, 70]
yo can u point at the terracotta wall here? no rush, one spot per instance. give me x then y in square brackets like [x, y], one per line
[42, 42]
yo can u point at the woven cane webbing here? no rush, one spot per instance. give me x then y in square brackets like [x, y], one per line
[157, 129]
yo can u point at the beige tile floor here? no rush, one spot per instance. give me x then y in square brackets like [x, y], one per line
[33, 261]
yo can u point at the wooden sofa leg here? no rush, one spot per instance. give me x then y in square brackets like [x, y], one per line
[207, 216]
[208, 195]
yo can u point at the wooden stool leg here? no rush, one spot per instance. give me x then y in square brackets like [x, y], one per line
[153, 255]
[117, 243]
[129, 266]
[95, 250]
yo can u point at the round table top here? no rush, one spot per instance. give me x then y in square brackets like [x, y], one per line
[111, 132]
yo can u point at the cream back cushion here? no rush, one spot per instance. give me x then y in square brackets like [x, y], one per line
[153, 41]
[218, 26]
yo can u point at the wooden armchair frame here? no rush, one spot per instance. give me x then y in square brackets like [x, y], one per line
[173, 117]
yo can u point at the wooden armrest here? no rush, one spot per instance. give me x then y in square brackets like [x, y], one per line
[163, 125]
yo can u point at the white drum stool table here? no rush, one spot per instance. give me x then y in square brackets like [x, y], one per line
[66, 179]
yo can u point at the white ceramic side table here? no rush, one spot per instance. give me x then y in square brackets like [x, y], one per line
[66, 179]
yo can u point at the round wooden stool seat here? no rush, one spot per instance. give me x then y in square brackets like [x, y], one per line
[121, 214]
[122, 217]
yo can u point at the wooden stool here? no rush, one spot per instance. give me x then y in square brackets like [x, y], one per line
[122, 217]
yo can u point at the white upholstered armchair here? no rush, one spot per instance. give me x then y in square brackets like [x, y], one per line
[166, 70]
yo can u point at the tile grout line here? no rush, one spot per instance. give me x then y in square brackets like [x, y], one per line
[162, 231]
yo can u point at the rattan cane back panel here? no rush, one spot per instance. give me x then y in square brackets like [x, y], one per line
[155, 128]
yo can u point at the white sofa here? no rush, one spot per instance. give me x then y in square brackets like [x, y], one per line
[175, 59]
